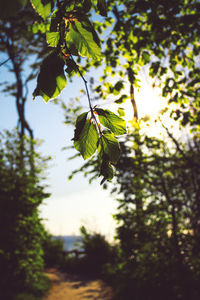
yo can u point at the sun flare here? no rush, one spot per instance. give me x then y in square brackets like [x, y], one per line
[149, 103]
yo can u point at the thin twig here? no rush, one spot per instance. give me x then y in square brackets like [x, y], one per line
[88, 96]
[4, 62]
[84, 80]
[173, 139]
[87, 91]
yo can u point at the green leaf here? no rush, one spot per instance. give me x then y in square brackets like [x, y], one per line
[85, 140]
[35, 28]
[109, 145]
[51, 79]
[87, 25]
[106, 170]
[102, 7]
[52, 38]
[121, 111]
[9, 8]
[80, 123]
[42, 7]
[108, 119]
[83, 41]
[146, 57]
[118, 86]
[121, 99]
[40, 26]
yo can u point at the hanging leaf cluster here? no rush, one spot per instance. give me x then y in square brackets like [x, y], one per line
[69, 32]
[96, 131]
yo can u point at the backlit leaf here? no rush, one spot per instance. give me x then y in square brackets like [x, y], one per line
[83, 41]
[85, 140]
[110, 146]
[80, 123]
[106, 170]
[52, 38]
[108, 119]
[51, 79]
[42, 7]
[121, 111]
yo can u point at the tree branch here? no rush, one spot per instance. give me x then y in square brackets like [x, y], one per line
[4, 62]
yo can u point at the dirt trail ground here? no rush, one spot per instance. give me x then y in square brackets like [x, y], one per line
[71, 287]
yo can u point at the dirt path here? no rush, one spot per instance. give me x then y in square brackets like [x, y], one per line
[71, 287]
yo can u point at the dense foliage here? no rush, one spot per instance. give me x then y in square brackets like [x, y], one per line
[21, 191]
[164, 37]
[158, 219]
[157, 188]
[93, 255]
[21, 232]
[53, 251]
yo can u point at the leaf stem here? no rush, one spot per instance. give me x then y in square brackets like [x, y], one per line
[85, 82]
[88, 96]
[87, 92]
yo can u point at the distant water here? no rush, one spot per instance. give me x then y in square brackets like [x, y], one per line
[70, 241]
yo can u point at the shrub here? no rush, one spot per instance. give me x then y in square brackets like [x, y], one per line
[21, 232]
[97, 252]
[53, 251]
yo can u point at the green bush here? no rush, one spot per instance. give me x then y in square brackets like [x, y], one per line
[38, 290]
[96, 253]
[53, 249]
[21, 232]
